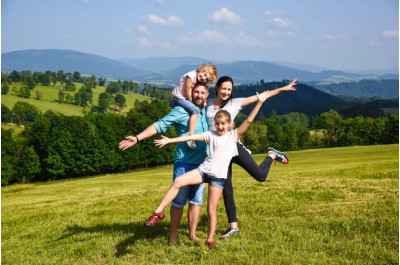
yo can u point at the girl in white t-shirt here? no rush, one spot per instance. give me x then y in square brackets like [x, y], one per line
[226, 101]
[213, 170]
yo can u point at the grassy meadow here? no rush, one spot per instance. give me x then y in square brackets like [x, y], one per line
[50, 101]
[327, 206]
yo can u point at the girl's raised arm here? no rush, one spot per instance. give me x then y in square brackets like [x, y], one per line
[261, 99]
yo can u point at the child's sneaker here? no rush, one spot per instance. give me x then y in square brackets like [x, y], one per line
[210, 244]
[279, 156]
[154, 219]
[230, 232]
[191, 144]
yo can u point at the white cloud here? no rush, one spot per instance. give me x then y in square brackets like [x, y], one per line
[291, 34]
[281, 23]
[207, 36]
[391, 34]
[333, 37]
[225, 16]
[146, 43]
[269, 33]
[275, 12]
[248, 41]
[170, 21]
[161, 2]
[142, 29]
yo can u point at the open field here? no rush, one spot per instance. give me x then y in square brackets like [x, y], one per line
[49, 100]
[327, 206]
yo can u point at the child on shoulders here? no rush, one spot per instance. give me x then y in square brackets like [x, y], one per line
[207, 74]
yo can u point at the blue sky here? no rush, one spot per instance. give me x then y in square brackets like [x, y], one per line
[336, 34]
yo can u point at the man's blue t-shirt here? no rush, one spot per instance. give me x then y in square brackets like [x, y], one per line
[179, 118]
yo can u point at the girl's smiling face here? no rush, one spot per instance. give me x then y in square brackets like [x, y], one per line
[225, 90]
[222, 125]
[202, 77]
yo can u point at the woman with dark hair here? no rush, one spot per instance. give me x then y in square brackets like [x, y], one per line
[225, 101]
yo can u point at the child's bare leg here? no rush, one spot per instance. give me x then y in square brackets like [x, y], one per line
[214, 194]
[192, 177]
[192, 122]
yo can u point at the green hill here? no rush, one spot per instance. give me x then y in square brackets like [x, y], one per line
[49, 99]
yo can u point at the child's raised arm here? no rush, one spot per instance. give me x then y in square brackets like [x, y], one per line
[261, 99]
[165, 140]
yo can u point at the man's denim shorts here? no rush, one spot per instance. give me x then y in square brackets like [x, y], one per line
[192, 194]
[212, 181]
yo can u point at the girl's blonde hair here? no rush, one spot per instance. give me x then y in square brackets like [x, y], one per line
[211, 70]
[222, 113]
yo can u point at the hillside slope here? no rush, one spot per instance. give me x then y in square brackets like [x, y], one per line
[68, 61]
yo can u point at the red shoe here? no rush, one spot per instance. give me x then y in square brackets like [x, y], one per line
[154, 219]
[210, 244]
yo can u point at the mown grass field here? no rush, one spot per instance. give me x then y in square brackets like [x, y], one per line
[50, 101]
[327, 206]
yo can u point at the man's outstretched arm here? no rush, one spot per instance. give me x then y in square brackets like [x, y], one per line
[130, 141]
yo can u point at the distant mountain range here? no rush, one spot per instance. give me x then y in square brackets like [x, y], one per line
[165, 71]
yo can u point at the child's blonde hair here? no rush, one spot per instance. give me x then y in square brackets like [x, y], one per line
[221, 114]
[211, 70]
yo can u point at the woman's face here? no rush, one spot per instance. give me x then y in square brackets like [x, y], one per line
[225, 90]
[222, 125]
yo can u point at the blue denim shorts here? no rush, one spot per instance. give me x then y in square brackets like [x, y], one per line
[192, 194]
[212, 181]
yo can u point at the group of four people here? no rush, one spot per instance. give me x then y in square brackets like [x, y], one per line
[193, 163]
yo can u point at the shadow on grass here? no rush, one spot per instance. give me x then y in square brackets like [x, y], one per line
[137, 229]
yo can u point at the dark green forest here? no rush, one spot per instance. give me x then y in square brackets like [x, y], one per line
[54, 146]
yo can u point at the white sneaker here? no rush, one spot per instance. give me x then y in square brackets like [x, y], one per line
[191, 144]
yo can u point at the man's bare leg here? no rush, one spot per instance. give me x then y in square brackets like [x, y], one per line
[176, 216]
[193, 220]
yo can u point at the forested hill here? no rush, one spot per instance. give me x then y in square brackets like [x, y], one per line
[364, 88]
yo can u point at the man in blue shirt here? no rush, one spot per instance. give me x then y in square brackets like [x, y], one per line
[185, 159]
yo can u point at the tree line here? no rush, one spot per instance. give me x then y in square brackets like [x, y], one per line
[55, 146]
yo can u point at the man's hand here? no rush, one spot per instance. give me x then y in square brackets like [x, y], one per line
[128, 142]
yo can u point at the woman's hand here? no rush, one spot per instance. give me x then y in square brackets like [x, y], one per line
[161, 142]
[290, 86]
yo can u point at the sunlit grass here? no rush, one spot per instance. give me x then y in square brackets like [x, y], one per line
[49, 99]
[327, 206]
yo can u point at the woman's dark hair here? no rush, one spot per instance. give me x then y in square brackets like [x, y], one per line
[221, 80]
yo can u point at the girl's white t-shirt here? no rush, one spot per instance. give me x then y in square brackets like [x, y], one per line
[222, 149]
[234, 106]
[179, 90]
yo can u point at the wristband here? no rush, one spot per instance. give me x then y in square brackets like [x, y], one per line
[137, 138]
